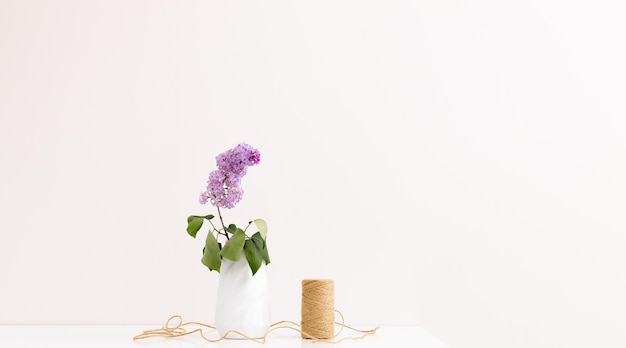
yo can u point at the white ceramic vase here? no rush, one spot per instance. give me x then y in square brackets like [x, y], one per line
[242, 300]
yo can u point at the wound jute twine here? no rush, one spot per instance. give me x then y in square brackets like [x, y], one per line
[318, 308]
[318, 320]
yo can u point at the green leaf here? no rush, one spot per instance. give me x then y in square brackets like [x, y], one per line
[209, 217]
[193, 224]
[253, 255]
[211, 253]
[234, 246]
[258, 240]
[266, 255]
[262, 226]
[232, 228]
[261, 244]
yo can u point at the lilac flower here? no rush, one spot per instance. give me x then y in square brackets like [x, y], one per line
[204, 197]
[232, 197]
[233, 179]
[223, 185]
[241, 156]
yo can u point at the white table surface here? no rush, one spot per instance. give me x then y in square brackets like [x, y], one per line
[121, 336]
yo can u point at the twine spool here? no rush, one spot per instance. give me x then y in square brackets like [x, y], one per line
[318, 308]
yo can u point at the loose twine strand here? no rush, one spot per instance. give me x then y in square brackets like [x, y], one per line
[318, 319]
[175, 327]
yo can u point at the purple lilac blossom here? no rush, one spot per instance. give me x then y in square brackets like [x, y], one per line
[204, 197]
[223, 185]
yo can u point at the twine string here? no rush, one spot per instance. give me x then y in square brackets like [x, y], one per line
[318, 320]
[176, 327]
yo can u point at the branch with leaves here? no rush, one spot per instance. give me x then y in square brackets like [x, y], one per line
[254, 247]
[223, 191]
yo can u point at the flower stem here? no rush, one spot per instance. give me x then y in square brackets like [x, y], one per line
[222, 221]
